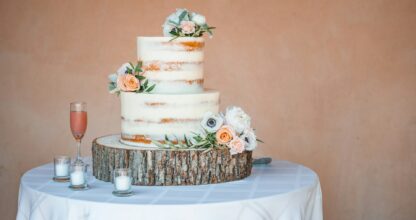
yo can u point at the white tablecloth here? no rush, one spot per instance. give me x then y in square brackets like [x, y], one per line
[281, 190]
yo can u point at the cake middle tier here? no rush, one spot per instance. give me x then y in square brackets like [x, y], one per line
[149, 117]
[175, 66]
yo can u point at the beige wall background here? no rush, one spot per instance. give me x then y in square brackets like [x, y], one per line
[329, 84]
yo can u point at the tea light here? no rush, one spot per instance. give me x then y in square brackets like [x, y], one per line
[61, 168]
[77, 178]
[122, 183]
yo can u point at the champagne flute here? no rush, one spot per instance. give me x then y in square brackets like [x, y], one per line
[78, 121]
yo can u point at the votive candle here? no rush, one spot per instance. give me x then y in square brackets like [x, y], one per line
[61, 167]
[122, 183]
[79, 175]
[77, 178]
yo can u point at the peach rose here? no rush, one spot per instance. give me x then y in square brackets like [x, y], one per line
[236, 146]
[128, 83]
[188, 27]
[225, 134]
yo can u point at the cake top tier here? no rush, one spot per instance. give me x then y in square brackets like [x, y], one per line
[172, 64]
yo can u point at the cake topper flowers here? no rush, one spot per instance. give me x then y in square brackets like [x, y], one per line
[184, 23]
[129, 78]
[231, 131]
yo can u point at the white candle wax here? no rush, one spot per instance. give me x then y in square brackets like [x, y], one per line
[122, 183]
[77, 178]
[61, 169]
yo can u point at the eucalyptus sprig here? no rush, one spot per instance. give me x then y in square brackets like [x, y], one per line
[197, 141]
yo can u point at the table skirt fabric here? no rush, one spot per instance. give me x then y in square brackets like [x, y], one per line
[301, 203]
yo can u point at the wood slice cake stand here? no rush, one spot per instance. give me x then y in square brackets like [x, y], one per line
[155, 166]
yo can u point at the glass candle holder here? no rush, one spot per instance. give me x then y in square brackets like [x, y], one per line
[61, 168]
[122, 182]
[79, 176]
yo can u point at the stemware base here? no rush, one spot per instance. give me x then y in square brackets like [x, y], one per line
[123, 194]
[79, 188]
[61, 179]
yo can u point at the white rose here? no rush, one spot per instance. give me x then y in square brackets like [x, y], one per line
[198, 19]
[212, 122]
[250, 139]
[237, 118]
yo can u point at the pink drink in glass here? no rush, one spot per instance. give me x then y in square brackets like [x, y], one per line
[78, 122]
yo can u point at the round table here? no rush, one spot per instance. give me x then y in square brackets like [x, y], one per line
[280, 190]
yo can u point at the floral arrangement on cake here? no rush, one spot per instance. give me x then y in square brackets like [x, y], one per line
[129, 78]
[231, 130]
[184, 23]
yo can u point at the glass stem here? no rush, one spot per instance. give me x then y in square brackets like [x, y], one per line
[79, 149]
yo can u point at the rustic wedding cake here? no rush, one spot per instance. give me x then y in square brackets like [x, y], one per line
[172, 132]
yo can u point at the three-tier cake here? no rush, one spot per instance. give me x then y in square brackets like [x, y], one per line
[172, 132]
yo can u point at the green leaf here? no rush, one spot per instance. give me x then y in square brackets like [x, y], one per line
[174, 33]
[140, 77]
[139, 64]
[201, 143]
[181, 145]
[131, 66]
[157, 143]
[174, 23]
[182, 15]
[145, 83]
[140, 90]
[151, 88]
[111, 86]
[209, 31]
[197, 138]
[174, 38]
[258, 140]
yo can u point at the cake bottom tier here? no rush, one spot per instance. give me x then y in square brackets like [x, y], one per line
[161, 167]
[150, 117]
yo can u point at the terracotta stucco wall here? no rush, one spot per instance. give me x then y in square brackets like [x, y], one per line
[329, 84]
